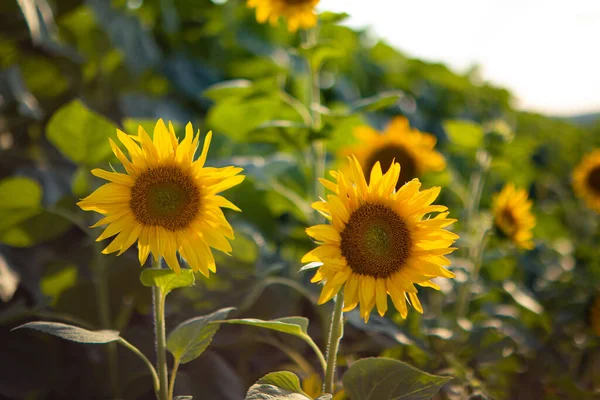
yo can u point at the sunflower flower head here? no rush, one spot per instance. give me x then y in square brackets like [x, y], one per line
[586, 180]
[412, 149]
[297, 13]
[379, 241]
[513, 217]
[166, 201]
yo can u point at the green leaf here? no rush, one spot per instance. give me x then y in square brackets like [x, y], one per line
[81, 134]
[240, 88]
[81, 183]
[73, 333]
[20, 199]
[329, 17]
[183, 398]
[167, 279]
[385, 378]
[296, 326]
[378, 102]
[277, 386]
[190, 338]
[464, 133]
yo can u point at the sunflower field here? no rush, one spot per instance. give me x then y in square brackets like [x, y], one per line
[248, 199]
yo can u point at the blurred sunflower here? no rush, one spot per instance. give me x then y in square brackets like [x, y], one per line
[298, 13]
[378, 242]
[414, 150]
[513, 217]
[166, 201]
[594, 315]
[586, 179]
[313, 386]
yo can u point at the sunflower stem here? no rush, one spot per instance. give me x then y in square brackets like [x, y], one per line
[158, 298]
[103, 303]
[336, 331]
[173, 375]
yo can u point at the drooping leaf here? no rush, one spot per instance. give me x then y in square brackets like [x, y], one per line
[281, 385]
[183, 398]
[378, 102]
[167, 279]
[190, 338]
[81, 134]
[386, 378]
[296, 326]
[73, 333]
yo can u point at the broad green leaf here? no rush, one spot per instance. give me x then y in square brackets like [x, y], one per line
[378, 102]
[58, 280]
[464, 133]
[39, 228]
[167, 279]
[190, 338]
[329, 17]
[81, 134]
[240, 88]
[183, 398]
[81, 183]
[296, 326]
[73, 333]
[20, 199]
[282, 385]
[385, 378]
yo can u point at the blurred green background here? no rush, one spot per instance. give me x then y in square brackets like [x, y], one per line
[73, 71]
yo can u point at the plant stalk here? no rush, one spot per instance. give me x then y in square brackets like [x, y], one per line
[103, 304]
[173, 375]
[336, 331]
[158, 299]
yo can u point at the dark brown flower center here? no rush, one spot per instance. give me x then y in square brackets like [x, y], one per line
[376, 241]
[593, 180]
[165, 196]
[385, 155]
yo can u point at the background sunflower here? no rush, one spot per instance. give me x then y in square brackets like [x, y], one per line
[586, 179]
[513, 217]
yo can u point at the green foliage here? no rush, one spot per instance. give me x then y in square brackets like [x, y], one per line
[277, 385]
[167, 279]
[384, 378]
[190, 338]
[81, 134]
[73, 333]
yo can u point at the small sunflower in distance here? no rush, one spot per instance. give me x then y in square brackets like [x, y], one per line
[586, 180]
[513, 217]
[297, 13]
[165, 201]
[414, 150]
[378, 242]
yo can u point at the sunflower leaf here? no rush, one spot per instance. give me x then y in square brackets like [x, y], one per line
[190, 338]
[72, 333]
[277, 385]
[385, 378]
[166, 279]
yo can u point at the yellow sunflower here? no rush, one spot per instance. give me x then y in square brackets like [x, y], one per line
[378, 242]
[586, 179]
[594, 315]
[414, 150]
[165, 201]
[513, 217]
[298, 13]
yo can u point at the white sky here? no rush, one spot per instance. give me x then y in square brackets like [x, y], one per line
[547, 52]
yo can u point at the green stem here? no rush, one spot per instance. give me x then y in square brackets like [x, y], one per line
[173, 375]
[131, 347]
[158, 298]
[103, 303]
[336, 331]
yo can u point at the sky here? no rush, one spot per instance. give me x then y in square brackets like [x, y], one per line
[547, 52]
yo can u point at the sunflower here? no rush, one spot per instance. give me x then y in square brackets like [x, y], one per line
[513, 217]
[378, 241]
[586, 179]
[165, 201]
[414, 150]
[298, 13]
